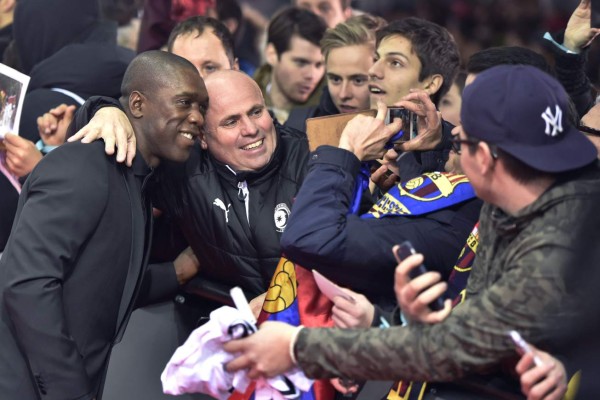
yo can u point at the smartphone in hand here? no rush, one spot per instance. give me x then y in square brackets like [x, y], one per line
[522, 346]
[406, 249]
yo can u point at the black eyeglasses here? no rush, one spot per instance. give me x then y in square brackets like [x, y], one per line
[457, 142]
[588, 130]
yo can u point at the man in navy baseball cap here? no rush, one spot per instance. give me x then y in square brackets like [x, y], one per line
[524, 112]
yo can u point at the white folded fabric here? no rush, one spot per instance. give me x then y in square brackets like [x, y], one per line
[198, 366]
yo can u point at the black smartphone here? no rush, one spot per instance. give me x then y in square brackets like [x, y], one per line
[409, 123]
[406, 249]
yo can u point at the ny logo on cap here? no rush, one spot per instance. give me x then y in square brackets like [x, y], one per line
[554, 121]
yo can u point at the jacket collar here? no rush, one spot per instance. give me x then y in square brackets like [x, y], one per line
[578, 183]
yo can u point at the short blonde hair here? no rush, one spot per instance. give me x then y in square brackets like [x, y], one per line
[357, 30]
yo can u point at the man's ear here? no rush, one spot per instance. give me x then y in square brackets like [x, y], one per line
[485, 158]
[136, 104]
[433, 84]
[271, 55]
[347, 12]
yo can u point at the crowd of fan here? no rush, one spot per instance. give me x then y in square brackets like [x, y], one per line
[496, 189]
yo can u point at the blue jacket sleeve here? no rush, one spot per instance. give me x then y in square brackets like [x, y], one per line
[356, 252]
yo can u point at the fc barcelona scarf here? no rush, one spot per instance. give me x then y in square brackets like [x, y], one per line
[426, 193]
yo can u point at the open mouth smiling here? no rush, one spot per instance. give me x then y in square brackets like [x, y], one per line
[254, 145]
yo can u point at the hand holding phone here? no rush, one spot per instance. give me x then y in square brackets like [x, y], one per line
[404, 250]
[409, 125]
[523, 347]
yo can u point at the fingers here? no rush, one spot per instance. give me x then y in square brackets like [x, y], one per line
[405, 266]
[130, 151]
[21, 154]
[384, 179]
[47, 123]
[525, 363]
[109, 147]
[531, 378]
[78, 135]
[381, 111]
[428, 136]
[401, 277]
[11, 165]
[70, 112]
[122, 143]
[417, 294]
[414, 296]
[87, 134]
[345, 304]
[342, 319]
[122, 153]
[419, 102]
[546, 381]
[59, 110]
[239, 363]
[125, 140]
[419, 300]
[422, 282]
[234, 346]
[428, 121]
[10, 139]
[435, 317]
[343, 312]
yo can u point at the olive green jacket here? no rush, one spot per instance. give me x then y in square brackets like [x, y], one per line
[517, 282]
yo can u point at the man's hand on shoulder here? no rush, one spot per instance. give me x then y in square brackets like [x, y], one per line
[111, 125]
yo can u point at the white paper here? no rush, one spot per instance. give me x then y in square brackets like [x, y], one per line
[13, 86]
[328, 288]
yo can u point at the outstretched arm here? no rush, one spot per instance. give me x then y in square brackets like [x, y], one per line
[571, 57]
[580, 33]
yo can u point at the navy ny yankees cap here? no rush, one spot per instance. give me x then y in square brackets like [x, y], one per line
[523, 111]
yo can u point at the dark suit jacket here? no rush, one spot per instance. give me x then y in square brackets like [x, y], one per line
[70, 273]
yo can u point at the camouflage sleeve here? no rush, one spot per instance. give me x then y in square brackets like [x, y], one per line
[473, 339]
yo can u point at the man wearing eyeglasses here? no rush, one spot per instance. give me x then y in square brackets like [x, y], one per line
[540, 179]
[590, 125]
